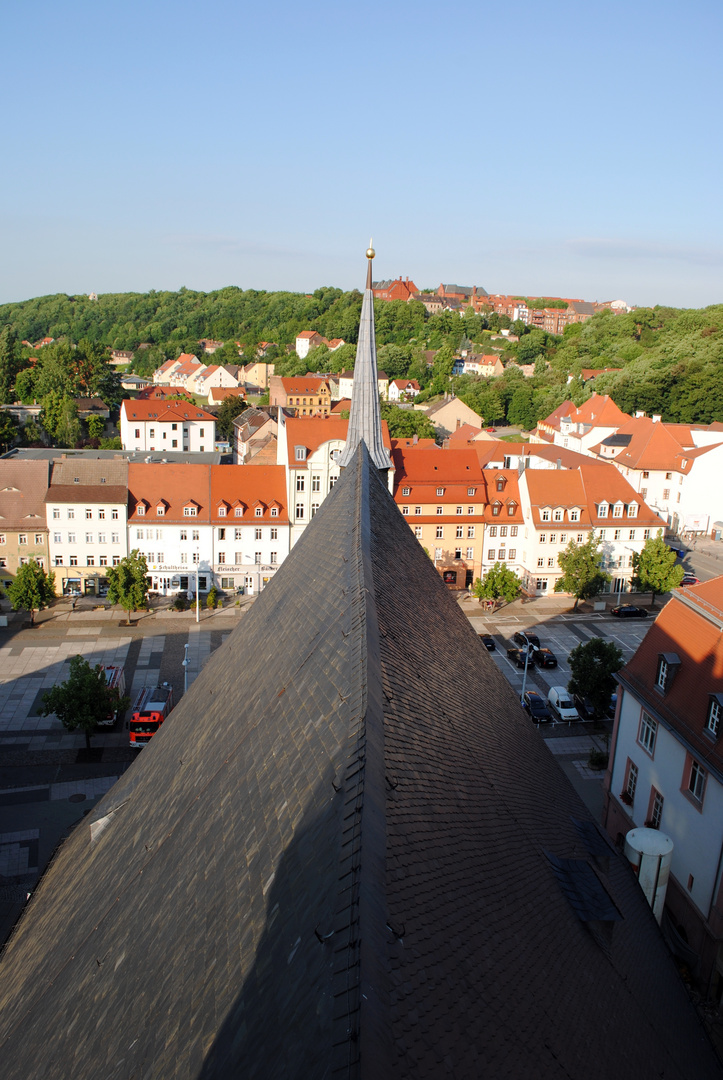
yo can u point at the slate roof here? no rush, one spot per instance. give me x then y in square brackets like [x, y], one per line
[93, 480]
[346, 854]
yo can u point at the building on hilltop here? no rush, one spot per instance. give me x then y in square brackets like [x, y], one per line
[306, 394]
[666, 768]
[398, 289]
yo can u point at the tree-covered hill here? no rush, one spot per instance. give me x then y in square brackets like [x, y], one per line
[670, 361]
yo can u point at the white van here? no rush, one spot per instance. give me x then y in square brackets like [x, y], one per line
[561, 703]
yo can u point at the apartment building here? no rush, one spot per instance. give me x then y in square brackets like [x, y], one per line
[23, 520]
[172, 425]
[666, 768]
[308, 395]
[563, 505]
[443, 495]
[86, 517]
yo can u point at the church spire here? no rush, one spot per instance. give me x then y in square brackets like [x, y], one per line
[365, 420]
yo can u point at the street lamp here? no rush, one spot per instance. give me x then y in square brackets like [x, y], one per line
[198, 616]
[527, 660]
[185, 663]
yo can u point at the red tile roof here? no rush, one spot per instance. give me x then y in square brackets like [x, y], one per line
[313, 431]
[163, 411]
[303, 384]
[234, 484]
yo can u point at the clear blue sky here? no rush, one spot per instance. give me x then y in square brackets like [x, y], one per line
[540, 148]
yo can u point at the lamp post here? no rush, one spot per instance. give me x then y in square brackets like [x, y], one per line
[185, 662]
[198, 606]
[527, 660]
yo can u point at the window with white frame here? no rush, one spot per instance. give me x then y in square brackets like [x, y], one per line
[259, 511]
[57, 539]
[491, 554]
[632, 780]
[553, 538]
[71, 515]
[602, 510]
[440, 491]
[440, 510]
[558, 515]
[222, 511]
[405, 511]
[238, 511]
[715, 712]
[470, 509]
[189, 511]
[540, 560]
[458, 510]
[459, 532]
[418, 531]
[439, 532]
[574, 515]
[257, 557]
[300, 482]
[274, 511]
[551, 562]
[496, 507]
[543, 538]
[237, 534]
[71, 537]
[56, 512]
[470, 532]
[299, 511]
[697, 780]
[438, 553]
[470, 553]
[314, 508]
[656, 810]
[618, 510]
[512, 553]
[616, 534]
[580, 538]
[417, 511]
[632, 511]
[545, 515]
[492, 531]
[194, 534]
[405, 491]
[661, 675]
[89, 538]
[257, 534]
[647, 733]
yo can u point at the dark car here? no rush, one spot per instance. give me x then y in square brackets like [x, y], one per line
[488, 641]
[544, 658]
[518, 656]
[629, 611]
[523, 639]
[584, 706]
[536, 706]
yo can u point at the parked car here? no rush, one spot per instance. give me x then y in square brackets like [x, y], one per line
[629, 611]
[689, 579]
[534, 704]
[561, 703]
[544, 658]
[524, 639]
[518, 656]
[488, 641]
[584, 706]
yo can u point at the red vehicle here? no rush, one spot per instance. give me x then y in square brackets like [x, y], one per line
[115, 678]
[151, 708]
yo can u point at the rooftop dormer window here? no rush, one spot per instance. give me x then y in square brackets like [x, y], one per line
[140, 510]
[406, 491]
[496, 507]
[189, 511]
[440, 491]
[618, 510]
[668, 664]
[574, 515]
[511, 508]
[300, 453]
[545, 515]
[602, 510]
[558, 515]
[160, 509]
[222, 511]
[632, 510]
[259, 511]
[715, 715]
[500, 483]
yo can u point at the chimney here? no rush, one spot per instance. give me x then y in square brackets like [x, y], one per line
[459, 423]
[415, 440]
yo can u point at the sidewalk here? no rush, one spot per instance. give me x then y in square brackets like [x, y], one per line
[89, 612]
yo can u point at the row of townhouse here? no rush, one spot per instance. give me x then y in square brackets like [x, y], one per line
[188, 373]
[665, 769]
[228, 525]
[674, 467]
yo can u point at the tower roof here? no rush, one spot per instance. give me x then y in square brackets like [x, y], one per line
[347, 853]
[365, 419]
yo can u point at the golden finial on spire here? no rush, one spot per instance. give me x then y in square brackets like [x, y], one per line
[370, 250]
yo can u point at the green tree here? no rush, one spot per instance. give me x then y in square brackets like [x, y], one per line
[96, 426]
[10, 361]
[230, 408]
[582, 573]
[84, 700]
[405, 423]
[499, 583]
[654, 569]
[25, 386]
[32, 589]
[31, 433]
[68, 430]
[128, 584]
[8, 431]
[593, 665]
